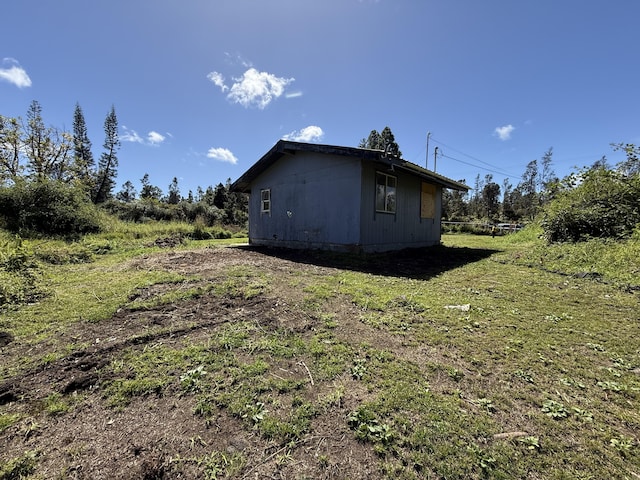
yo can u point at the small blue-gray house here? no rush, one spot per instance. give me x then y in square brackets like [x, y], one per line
[304, 195]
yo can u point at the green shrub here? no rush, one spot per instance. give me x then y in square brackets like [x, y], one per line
[49, 208]
[151, 209]
[604, 204]
[18, 274]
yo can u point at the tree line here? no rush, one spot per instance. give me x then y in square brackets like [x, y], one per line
[596, 201]
[43, 167]
[493, 203]
[31, 151]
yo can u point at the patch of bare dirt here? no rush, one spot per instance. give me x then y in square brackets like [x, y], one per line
[158, 436]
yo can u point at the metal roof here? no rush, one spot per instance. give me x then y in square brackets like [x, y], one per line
[283, 147]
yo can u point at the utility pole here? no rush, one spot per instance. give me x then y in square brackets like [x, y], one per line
[435, 158]
[426, 165]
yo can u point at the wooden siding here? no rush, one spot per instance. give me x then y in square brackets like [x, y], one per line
[405, 228]
[314, 202]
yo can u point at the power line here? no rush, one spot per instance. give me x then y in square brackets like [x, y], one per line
[480, 167]
[492, 169]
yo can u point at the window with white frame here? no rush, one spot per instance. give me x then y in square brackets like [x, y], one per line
[265, 201]
[385, 193]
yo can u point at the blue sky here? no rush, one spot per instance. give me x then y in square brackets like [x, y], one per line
[203, 88]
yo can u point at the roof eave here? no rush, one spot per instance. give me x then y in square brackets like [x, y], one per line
[283, 147]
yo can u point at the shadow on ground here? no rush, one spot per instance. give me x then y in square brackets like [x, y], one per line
[417, 263]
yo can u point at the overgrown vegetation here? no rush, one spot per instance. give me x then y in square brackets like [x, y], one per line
[479, 359]
[599, 201]
[594, 203]
[48, 208]
[51, 185]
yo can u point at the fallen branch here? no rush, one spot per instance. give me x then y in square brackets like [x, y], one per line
[308, 371]
[499, 436]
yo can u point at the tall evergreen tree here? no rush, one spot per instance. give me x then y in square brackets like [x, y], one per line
[128, 192]
[380, 141]
[220, 196]
[491, 199]
[83, 163]
[108, 165]
[149, 192]
[35, 141]
[174, 196]
[209, 196]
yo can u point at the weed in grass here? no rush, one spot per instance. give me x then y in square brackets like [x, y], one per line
[284, 458]
[359, 368]
[570, 382]
[485, 404]
[54, 404]
[530, 442]
[289, 429]
[610, 386]
[8, 419]
[29, 428]
[524, 375]
[486, 461]
[206, 408]
[333, 398]
[622, 444]
[255, 412]
[221, 465]
[20, 467]
[367, 427]
[455, 374]
[621, 363]
[329, 320]
[555, 410]
[323, 461]
[191, 381]
[583, 415]
[597, 347]
[121, 392]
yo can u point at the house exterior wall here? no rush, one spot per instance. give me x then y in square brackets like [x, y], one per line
[314, 203]
[405, 228]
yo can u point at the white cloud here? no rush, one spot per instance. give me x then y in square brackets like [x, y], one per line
[222, 155]
[311, 133]
[131, 136]
[504, 132]
[293, 95]
[257, 89]
[155, 138]
[14, 73]
[218, 80]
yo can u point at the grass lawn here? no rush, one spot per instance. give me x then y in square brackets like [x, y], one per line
[481, 358]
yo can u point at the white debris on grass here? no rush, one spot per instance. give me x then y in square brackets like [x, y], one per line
[463, 308]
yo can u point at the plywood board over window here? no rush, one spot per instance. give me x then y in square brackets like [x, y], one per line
[428, 201]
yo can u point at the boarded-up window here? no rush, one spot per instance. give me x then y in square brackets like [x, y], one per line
[428, 201]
